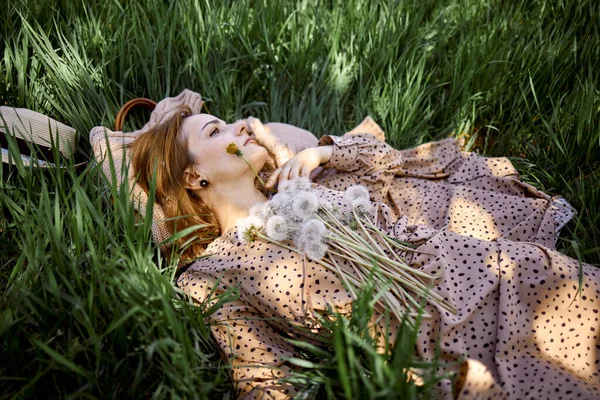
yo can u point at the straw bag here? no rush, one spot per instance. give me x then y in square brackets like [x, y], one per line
[130, 105]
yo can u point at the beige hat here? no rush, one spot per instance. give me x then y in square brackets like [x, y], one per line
[28, 128]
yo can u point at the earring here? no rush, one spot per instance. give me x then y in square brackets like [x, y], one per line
[203, 183]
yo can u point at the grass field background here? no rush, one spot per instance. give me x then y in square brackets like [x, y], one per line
[88, 308]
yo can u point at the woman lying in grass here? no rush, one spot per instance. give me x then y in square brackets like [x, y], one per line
[486, 237]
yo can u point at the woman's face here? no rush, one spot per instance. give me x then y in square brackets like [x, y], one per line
[208, 138]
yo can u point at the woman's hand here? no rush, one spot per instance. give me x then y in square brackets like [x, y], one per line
[301, 165]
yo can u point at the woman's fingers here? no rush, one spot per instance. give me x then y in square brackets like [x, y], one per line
[285, 173]
[305, 171]
[273, 178]
[299, 166]
[280, 174]
[294, 172]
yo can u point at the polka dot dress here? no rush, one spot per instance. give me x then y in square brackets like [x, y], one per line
[436, 184]
[522, 327]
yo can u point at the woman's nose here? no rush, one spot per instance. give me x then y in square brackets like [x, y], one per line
[240, 128]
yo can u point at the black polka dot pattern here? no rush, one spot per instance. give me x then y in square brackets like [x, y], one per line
[519, 324]
[518, 314]
[435, 184]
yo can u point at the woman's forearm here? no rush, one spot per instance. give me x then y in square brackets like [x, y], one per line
[296, 138]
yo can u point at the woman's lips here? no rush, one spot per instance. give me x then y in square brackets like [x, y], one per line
[250, 140]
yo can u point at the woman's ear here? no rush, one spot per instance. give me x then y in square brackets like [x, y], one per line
[192, 179]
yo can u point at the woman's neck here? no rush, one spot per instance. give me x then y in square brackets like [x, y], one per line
[232, 202]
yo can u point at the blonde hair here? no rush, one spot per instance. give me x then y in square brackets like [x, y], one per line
[161, 154]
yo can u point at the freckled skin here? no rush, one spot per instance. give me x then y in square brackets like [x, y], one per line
[491, 238]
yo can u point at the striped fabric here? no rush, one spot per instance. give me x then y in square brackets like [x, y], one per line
[28, 128]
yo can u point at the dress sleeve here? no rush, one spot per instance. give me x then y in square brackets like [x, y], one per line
[253, 349]
[372, 162]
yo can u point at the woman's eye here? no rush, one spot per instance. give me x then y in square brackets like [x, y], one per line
[213, 131]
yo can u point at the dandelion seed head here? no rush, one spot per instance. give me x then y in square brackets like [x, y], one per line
[253, 221]
[329, 210]
[287, 187]
[302, 184]
[293, 186]
[305, 205]
[281, 203]
[356, 192]
[326, 209]
[345, 215]
[256, 210]
[263, 210]
[241, 233]
[277, 228]
[363, 207]
[327, 205]
[248, 228]
[312, 230]
[268, 210]
[315, 250]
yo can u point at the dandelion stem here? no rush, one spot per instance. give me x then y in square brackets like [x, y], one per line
[388, 274]
[234, 150]
[369, 254]
[346, 230]
[343, 276]
[369, 237]
[381, 257]
[399, 244]
[387, 245]
[285, 246]
[254, 170]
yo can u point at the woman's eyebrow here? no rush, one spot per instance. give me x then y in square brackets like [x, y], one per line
[210, 122]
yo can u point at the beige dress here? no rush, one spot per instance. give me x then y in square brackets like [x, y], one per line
[488, 235]
[439, 186]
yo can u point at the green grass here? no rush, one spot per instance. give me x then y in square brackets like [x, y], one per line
[88, 306]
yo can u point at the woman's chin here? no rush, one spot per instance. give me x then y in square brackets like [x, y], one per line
[257, 151]
[257, 155]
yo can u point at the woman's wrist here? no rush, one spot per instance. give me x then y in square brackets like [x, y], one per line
[325, 152]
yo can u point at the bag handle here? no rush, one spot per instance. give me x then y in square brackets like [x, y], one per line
[131, 104]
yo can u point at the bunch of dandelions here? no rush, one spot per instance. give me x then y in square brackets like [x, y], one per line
[345, 240]
[292, 215]
[234, 150]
